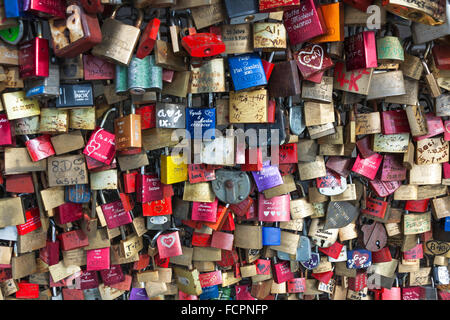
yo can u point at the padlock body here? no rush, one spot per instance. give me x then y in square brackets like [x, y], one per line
[101, 146]
[115, 214]
[271, 236]
[361, 51]
[34, 58]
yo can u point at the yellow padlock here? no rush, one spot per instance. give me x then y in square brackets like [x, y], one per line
[173, 169]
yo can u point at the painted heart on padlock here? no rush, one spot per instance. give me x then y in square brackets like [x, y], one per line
[312, 58]
[168, 241]
[208, 113]
[313, 262]
[358, 260]
[263, 268]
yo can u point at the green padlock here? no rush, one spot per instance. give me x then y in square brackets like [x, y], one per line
[389, 48]
[13, 35]
[121, 80]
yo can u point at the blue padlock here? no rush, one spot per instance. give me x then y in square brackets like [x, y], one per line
[303, 253]
[209, 293]
[283, 255]
[359, 259]
[247, 71]
[271, 236]
[13, 8]
[78, 193]
[199, 120]
[447, 224]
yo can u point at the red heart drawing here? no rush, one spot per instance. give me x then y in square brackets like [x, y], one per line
[168, 241]
[311, 56]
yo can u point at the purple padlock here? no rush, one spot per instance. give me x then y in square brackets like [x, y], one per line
[313, 262]
[268, 177]
[138, 294]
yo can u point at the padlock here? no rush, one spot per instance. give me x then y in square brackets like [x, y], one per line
[269, 36]
[247, 12]
[296, 119]
[13, 36]
[101, 144]
[148, 187]
[45, 9]
[75, 96]
[136, 83]
[333, 15]
[429, 13]
[312, 59]
[148, 38]
[83, 32]
[128, 131]
[246, 71]
[34, 56]
[118, 40]
[200, 122]
[411, 66]
[360, 51]
[73, 239]
[424, 32]
[96, 68]
[40, 147]
[168, 243]
[430, 80]
[389, 49]
[231, 186]
[170, 115]
[45, 88]
[301, 27]
[284, 80]
[271, 236]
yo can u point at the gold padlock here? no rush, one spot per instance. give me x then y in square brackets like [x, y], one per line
[118, 39]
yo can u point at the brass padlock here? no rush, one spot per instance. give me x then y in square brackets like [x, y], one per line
[118, 39]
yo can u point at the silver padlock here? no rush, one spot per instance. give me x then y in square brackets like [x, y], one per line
[231, 186]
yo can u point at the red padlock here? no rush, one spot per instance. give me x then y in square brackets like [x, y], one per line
[222, 240]
[50, 253]
[288, 153]
[27, 290]
[359, 282]
[92, 6]
[411, 293]
[361, 5]
[88, 280]
[324, 277]
[34, 56]
[68, 212]
[392, 168]
[200, 173]
[375, 208]
[157, 208]
[129, 181]
[253, 160]
[360, 51]
[417, 205]
[169, 244]
[98, 259]
[271, 5]
[394, 121]
[201, 45]
[296, 285]
[383, 255]
[114, 212]
[268, 66]
[148, 38]
[435, 126]
[148, 187]
[391, 294]
[209, 279]
[113, 275]
[441, 56]
[39, 148]
[33, 221]
[148, 116]
[281, 271]
[228, 225]
[312, 59]
[45, 9]
[201, 239]
[414, 253]
[101, 145]
[73, 240]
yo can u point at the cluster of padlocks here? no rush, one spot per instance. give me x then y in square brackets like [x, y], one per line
[224, 150]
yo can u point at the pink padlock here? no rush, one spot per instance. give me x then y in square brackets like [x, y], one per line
[88, 280]
[98, 259]
[367, 167]
[101, 145]
[5, 131]
[114, 212]
[169, 244]
[205, 211]
[274, 209]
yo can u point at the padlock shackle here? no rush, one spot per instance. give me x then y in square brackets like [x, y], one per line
[140, 14]
[105, 116]
[102, 196]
